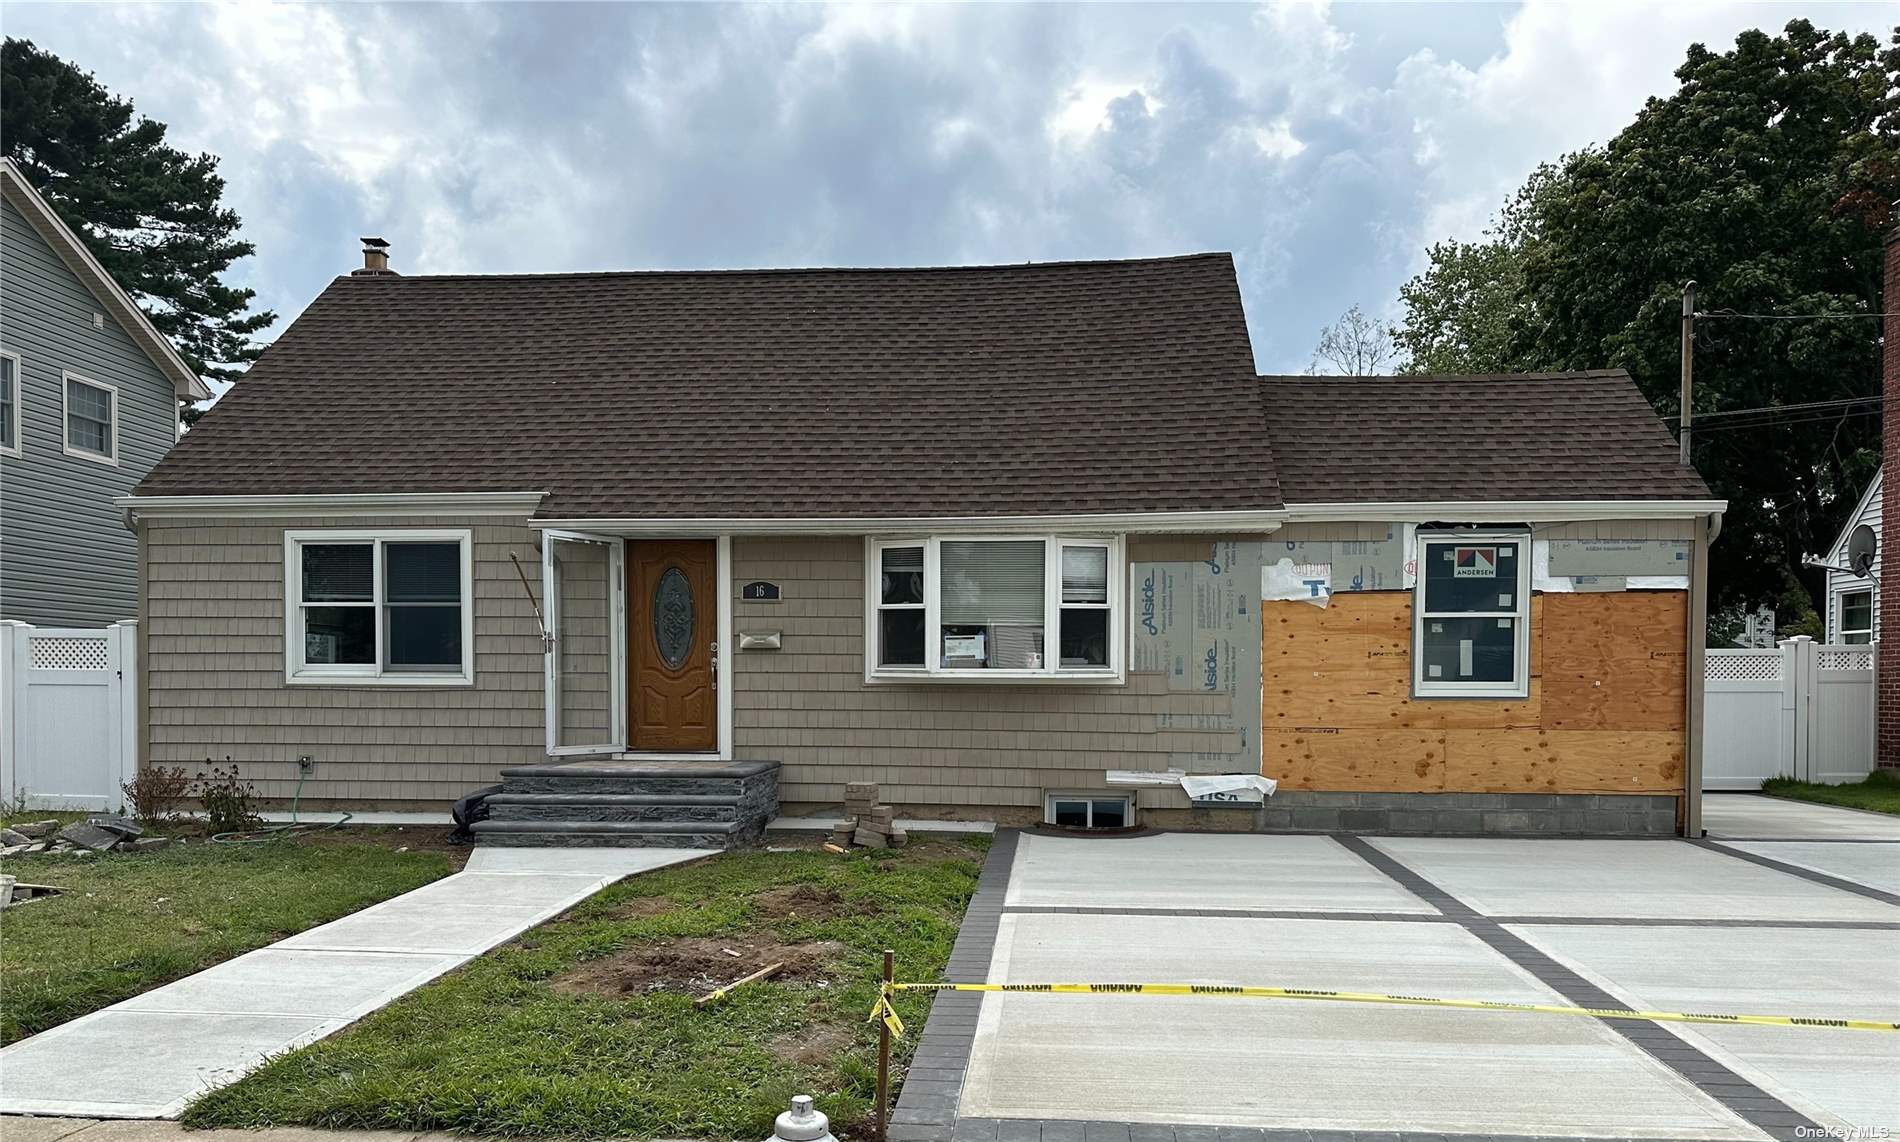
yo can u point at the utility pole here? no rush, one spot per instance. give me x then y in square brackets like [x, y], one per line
[1688, 368]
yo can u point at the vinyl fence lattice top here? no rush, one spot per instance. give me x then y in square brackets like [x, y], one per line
[1845, 658]
[69, 652]
[1743, 666]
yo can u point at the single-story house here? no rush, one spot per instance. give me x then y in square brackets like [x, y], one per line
[1020, 543]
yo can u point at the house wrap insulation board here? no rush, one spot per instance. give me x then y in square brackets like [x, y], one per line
[1198, 623]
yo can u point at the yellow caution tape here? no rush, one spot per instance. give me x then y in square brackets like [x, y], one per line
[883, 1009]
[1230, 991]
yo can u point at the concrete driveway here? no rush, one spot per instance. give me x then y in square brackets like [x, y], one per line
[1668, 925]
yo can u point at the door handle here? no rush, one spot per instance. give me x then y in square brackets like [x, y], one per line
[715, 664]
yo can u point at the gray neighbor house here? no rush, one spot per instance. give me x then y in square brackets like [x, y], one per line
[89, 394]
[662, 553]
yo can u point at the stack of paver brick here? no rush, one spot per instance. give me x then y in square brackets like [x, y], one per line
[866, 822]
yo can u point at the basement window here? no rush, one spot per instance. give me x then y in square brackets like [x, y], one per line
[993, 608]
[1471, 616]
[379, 608]
[1087, 811]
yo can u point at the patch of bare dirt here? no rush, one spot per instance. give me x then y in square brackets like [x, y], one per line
[642, 908]
[808, 902]
[815, 1045]
[696, 965]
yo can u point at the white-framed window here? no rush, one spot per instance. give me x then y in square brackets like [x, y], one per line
[386, 607]
[91, 416]
[1856, 624]
[1088, 810]
[1471, 615]
[975, 608]
[9, 403]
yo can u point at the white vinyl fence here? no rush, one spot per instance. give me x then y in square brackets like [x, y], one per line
[1800, 710]
[68, 714]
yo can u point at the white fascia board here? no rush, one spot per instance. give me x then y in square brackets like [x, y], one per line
[1125, 522]
[1503, 511]
[354, 503]
[185, 382]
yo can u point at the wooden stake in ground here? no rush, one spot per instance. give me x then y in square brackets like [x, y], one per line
[766, 972]
[884, 1055]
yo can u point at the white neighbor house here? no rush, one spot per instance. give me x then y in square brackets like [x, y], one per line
[1851, 613]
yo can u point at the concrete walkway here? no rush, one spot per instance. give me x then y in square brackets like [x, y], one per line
[152, 1054]
[1754, 817]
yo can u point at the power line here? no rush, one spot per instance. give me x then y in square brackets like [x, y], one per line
[1774, 423]
[1714, 314]
[1778, 409]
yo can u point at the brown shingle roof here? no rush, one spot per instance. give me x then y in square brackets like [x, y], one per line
[1065, 388]
[1535, 436]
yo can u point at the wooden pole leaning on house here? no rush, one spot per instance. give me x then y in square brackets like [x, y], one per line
[1688, 369]
[884, 1054]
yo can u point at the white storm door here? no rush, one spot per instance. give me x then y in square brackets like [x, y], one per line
[583, 579]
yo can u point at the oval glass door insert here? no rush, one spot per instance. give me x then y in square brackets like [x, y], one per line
[673, 618]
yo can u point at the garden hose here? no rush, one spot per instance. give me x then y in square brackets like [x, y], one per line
[290, 828]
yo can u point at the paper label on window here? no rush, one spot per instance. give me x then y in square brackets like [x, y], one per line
[1464, 658]
[1438, 628]
[963, 646]
[1434, 671]
[1504, 624]
[1504, 600]
[1474, 563]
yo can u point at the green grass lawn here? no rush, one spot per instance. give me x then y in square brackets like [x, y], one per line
[1879, 792]
[130, 922]
[585, 1028]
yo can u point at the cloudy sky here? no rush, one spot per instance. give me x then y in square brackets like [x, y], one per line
[1326, 146]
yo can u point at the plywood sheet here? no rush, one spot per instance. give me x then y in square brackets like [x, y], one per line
[1385, 761]
[1563, 761]
[1615, 661]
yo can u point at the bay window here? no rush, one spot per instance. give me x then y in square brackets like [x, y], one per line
[1471, 616]
[379, 608]
[969, 608]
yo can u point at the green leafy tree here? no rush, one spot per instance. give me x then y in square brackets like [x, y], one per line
[151, 214]
[1767, 179]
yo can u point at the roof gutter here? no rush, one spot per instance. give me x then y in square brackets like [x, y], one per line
[1261, 521]
[136, 508]
[1515, 511]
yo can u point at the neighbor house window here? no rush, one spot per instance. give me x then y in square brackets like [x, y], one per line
[10, 403]
[968, 608]
[92, 419]
[1857, 616]
[1471, 616]
[387, 608]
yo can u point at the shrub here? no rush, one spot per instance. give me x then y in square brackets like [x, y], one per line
[156, 793]
[228, 800]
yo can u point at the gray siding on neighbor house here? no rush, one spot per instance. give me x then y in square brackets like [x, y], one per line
[213, 638]
[66, 558]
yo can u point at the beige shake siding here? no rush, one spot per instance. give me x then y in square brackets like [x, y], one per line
[214, 654]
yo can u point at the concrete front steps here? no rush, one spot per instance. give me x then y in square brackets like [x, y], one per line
[608, 802]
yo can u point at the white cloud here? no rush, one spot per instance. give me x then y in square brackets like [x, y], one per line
[1326, 146]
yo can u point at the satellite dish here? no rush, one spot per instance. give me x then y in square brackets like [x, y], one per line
[1861, 546]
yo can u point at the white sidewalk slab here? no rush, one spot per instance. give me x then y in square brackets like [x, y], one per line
[1874, 864]
[1752, 816]
[152, 1054]
[1203, 870]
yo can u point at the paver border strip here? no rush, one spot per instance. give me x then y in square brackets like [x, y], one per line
[927, 1105]
[1742, 1098]
[1841, 883]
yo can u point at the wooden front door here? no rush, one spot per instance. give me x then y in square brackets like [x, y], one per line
[673, 622]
